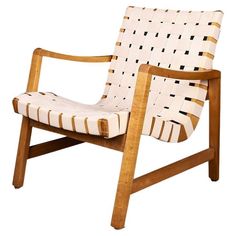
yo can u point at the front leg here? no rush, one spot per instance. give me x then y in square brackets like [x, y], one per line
[134, 132]
[22, 153]
[26, 129]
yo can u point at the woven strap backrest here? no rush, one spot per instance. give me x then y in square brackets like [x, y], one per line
[178, 40]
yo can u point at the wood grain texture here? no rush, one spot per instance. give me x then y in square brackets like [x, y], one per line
[46, 53]
[22, 153]
[36, 63]
[131, 150]
[51, 146]
[214, 127]
[34, 75]
[116, 143]
[168, 171]
[125, 185]
[32, 86]
[128, 143]
[186, 75]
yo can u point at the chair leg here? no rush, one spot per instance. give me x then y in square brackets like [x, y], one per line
[131, 149]
[125, 183]
[214, 127]
[22, 153]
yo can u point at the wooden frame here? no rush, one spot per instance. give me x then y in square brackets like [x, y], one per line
[128, 143]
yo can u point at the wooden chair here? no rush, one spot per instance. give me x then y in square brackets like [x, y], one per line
[159, 78]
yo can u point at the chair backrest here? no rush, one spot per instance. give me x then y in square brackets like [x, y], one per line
[178, 40]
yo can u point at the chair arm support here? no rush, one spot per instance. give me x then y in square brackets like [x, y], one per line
[181, 75]
[46, 53]
[139, 104]
[39, 53]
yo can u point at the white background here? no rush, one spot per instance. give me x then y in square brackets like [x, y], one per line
[71, 192]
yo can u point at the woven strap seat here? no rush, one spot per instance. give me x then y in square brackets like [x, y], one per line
[60, 112]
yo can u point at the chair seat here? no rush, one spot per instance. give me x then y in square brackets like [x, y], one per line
[56, 111]
[107, 121]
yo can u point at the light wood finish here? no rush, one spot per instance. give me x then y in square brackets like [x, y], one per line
[41, 52]
[125, 185]
[116, 143]
[185, 75]
[26, 129]
[32, 86]
[214, 127]
[51, 146]
[168, 171]
[34, 75]
[22, 153]
[128, 143]
[131, 150]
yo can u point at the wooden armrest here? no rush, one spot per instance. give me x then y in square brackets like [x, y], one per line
[39, 53]
[186, 75]
[45, 53]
